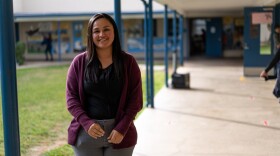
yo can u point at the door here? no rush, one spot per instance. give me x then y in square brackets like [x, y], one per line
[214, 27]
[77, 36]
[257, 39]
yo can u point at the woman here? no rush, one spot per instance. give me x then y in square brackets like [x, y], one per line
[48, 42]
[274, 62]
[103, 94]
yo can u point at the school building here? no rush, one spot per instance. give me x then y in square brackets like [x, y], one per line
[68, 26]
[222, 29]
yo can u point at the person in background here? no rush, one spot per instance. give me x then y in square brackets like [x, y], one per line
[48, 42]
[274, 62]
[103, 94]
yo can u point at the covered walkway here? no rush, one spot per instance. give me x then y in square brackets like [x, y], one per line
[222, 114]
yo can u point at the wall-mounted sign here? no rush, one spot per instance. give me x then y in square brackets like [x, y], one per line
[261, 17]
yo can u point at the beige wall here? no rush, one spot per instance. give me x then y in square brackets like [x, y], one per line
[35, 40]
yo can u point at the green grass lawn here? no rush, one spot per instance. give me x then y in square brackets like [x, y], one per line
[43, 116]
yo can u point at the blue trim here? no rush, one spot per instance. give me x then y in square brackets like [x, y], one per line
[48, 15]
[8, 80]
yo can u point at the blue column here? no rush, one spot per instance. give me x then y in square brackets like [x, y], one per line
[165, 34]
[17, 31]
[277, 14]
[187, 30]
[151, 51]
[8, 80]
[59, 40]
[146, 53]
[181, 40]
[118, 19]
[174, 41]
[276, 21]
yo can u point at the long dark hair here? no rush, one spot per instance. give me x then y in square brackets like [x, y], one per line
[93, 63]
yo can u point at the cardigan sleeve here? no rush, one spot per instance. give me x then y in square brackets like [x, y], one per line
[73, 99]
[274, 61]
[134, 99]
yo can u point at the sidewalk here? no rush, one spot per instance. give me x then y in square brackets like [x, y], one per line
[32, 64]
[222, 114]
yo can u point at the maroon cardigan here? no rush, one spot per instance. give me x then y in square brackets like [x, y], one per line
[131, 100]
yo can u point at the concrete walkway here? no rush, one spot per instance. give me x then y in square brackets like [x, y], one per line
[223, 114]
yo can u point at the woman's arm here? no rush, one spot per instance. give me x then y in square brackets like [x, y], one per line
[134, 99]
[73, 99]
[273, 62]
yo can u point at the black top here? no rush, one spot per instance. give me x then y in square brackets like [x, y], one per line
[102, 98]
[274, 61]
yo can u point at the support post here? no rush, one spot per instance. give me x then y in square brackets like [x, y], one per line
[174, 41]
[146, 52]
[8, 80]
[181, 20]
[118, 19]
[166, 44]
[151, 51]
[59, 40]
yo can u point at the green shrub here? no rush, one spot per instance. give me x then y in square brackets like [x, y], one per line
[20, 49]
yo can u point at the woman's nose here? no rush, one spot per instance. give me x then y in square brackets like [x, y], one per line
[101, 33]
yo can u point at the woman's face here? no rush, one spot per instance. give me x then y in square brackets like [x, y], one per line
[102, 33]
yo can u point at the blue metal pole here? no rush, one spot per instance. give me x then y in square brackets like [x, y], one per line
[117, 17]
[187, 39]
[146, 53]
[181, 40]
[8, 80]
[165, 34]
[175, 40]
[59, 40]
[276, 14]
[151, 35]
[276, 21]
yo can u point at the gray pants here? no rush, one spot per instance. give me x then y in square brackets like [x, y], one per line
[88, 146]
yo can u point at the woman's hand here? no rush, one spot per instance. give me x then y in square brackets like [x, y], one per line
[263, 74]
[95, 131]
[115, 137]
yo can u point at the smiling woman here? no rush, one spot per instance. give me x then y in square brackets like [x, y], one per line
[103, 35]
[103, 94]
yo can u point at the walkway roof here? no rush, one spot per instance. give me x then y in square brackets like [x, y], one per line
[211, 8]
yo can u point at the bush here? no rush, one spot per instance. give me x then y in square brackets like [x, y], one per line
[20, 49]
